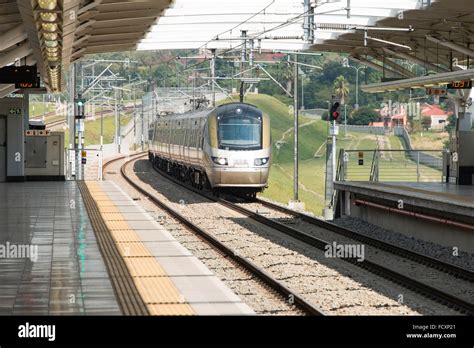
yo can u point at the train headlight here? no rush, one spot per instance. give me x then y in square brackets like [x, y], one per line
[261, 161]
[220, 160]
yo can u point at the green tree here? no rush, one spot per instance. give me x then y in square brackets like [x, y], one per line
[363, 116]
[451, 123]
[341, 88]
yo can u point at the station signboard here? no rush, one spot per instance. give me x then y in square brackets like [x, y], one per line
[440, 92]
[464, 84]
[27, 85]
[37, 133]
[18, 74]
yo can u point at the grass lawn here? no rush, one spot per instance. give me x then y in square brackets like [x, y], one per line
[39, 108]
[313, 135]
[92, 130]
[429, 140]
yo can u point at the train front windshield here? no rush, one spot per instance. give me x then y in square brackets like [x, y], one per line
[240, 130]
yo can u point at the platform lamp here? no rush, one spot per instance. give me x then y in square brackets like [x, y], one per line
[50, 29]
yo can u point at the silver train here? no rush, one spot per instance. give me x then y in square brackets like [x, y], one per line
[225, 147]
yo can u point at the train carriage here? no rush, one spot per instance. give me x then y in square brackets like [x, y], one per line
[225, 147]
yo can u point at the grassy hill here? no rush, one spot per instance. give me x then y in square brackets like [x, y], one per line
[92, 130]
[312, 153]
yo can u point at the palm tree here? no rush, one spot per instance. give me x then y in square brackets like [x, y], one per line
[341, 88]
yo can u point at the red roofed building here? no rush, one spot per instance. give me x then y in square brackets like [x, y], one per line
[439, 117]
[398, 119]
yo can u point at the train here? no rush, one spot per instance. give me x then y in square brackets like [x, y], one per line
[223, 148]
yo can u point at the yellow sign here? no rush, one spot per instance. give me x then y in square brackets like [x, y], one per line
[84, 153]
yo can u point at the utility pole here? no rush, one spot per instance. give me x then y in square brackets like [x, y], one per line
[345, 64]
[79, 129]
[213, 75]
[72, 118]
[242, 61]
[134, 119]
[295, 111]
[119, 131]
[116, 120]
[302, 91]
[143, 126]
[194, 90]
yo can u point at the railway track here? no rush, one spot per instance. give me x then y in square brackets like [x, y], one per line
[264, 277]
[449, 268]
[50, 125]
[422, 288]
[55, 124]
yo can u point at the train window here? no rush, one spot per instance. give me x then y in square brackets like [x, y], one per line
[240, 132]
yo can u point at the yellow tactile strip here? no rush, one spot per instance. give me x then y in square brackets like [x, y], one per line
[109, 209]
[130, 300]
[144, 267]
[117, 225]
[125, 236]
[154, 286]
[113, 217]
[169, 309]
[136, 249]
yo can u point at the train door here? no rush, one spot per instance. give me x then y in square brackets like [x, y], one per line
[182, 139]
[169, 130]
[193, 141]
[3, 148]
[173, 139]
[199, 140]
[187, 130]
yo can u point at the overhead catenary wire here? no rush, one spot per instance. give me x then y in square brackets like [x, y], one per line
[224, 32]
[254, 36]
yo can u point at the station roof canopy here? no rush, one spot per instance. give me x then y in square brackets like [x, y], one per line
[55, 33]
[192, 24]
[440, 79]
[399, 36]
[393, 36]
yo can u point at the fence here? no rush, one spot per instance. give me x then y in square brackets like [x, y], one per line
[402, 133]
[392, 165]
[427, 158]
[363, 129]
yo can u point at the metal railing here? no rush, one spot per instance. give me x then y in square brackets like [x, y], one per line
[363, 129]
[392, 165]
[90, 170]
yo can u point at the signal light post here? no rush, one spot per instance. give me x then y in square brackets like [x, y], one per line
[79, 116]
[331, 169]
[334, 131]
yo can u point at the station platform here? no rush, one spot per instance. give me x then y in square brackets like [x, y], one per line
[437, 212]
[168, 278]
[52, 260]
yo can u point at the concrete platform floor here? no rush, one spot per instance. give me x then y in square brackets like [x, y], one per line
[50, 263]
[140, 237]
